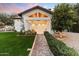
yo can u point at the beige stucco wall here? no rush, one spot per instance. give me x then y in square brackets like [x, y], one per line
[18, 25]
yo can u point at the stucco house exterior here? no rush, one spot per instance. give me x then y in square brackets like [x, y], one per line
[36, 18]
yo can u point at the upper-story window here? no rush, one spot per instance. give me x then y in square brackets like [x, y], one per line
[38, 15]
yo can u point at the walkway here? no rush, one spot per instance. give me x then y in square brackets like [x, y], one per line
[41, 47]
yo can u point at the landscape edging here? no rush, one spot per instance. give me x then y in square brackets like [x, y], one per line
[33, 46]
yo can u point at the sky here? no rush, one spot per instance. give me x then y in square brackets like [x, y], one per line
[14, 8]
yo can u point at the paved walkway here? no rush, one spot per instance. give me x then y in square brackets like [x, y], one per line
[41, 47]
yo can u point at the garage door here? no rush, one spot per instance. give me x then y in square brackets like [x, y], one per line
[39, 27]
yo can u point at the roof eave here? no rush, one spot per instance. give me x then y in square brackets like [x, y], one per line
[50, 12]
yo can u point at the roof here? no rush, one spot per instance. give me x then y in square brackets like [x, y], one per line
[36, 7]
[16, 17]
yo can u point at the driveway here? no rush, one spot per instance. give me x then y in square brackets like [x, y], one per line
[71, 40]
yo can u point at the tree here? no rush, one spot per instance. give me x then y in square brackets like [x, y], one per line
[63, 17]
[75, 27]
[6, 19]
[77, 12]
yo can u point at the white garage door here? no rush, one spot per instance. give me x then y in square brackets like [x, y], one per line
[39, 27]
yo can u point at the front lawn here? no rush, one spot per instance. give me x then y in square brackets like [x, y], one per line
[13, 45]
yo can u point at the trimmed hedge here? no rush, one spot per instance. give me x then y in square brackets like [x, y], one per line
[59, 48]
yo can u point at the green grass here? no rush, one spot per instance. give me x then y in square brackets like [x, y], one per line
[13, 45]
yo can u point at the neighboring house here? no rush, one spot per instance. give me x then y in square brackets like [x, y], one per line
[36, 18]
[7, 28]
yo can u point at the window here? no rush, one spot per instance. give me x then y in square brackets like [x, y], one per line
[38, 15]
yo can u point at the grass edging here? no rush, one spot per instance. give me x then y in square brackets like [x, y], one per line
[58, 48]
[33, 46]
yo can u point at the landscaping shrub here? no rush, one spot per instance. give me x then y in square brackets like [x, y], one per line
[59, 48]
[30, 32]
[27, 33]
[75, 28]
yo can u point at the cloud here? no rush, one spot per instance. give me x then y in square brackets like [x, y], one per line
[9, 8]
[15, 7]
[18, 7]
[31, 4]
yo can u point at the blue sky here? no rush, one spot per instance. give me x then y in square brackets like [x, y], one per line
[46, 5]
[19, 7]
